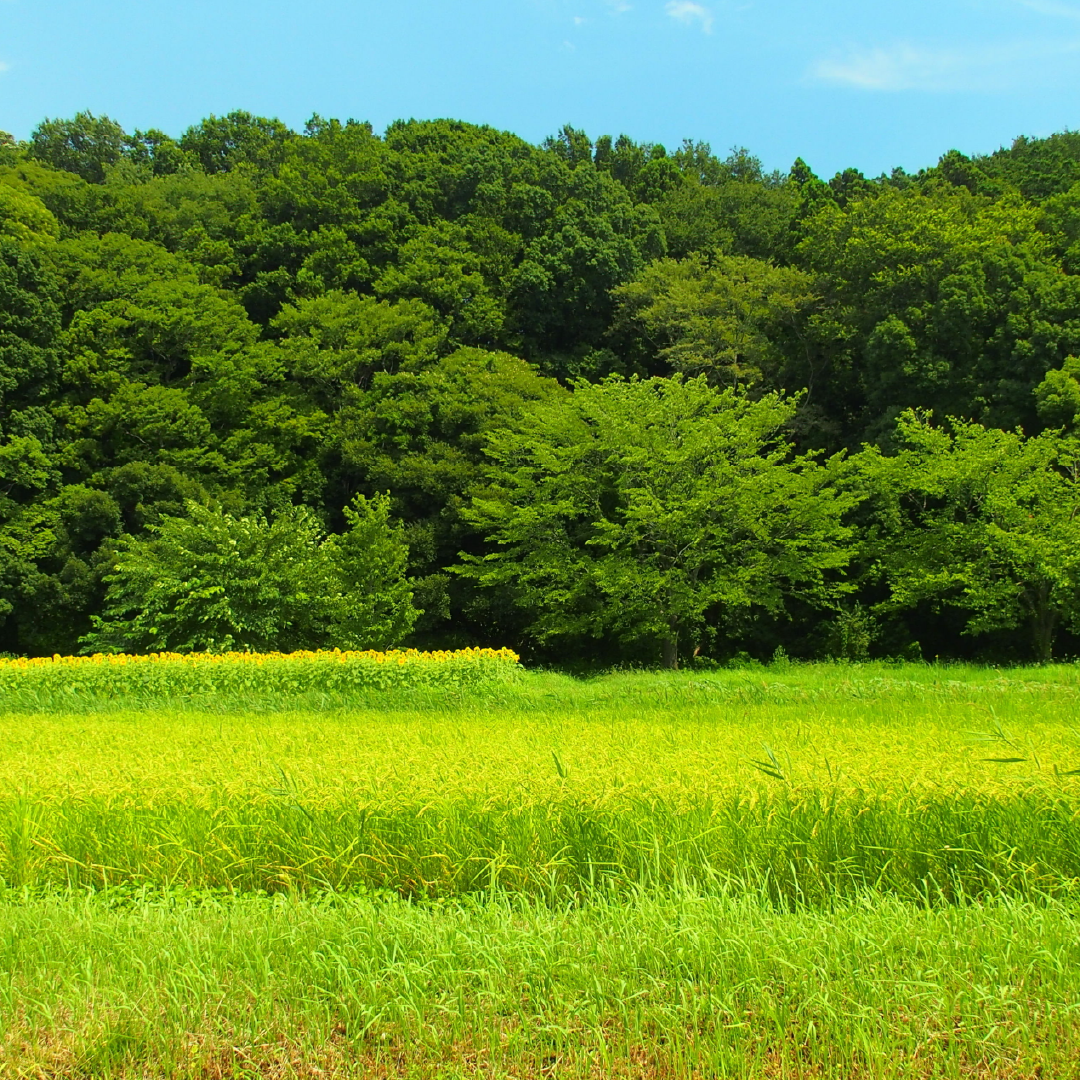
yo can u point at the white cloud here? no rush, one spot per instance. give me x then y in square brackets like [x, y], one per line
[619, 6]
[580, 20]
[686, 11]
[913, 67]
[3, 66]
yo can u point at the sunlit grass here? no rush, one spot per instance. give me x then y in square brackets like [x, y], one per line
[814, 783]
[650, 985]
[834, 871]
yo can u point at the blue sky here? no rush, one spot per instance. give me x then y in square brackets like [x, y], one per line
[870, 84]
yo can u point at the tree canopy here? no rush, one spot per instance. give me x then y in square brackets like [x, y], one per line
[211, 581]
[261, 325]
[654, 510]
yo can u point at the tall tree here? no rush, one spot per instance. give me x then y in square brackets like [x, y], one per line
[731, 317]
[561, 290]
[984, 521]
[939, 299]
[85, 145]
[223, 143]
[420, 434]
[212, 581]
[658, 511]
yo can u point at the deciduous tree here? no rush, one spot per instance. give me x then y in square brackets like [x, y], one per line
[983, 520]
[212, 581]
[655, 510]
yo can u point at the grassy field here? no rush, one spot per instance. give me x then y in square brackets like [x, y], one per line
[654, 985]
[784, 871]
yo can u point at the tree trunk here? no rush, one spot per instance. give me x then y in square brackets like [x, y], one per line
[671, 650]
[1043, 624]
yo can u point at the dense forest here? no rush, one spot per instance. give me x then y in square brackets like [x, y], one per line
[598, 400]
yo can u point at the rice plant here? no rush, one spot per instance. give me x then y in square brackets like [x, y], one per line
[811, 789]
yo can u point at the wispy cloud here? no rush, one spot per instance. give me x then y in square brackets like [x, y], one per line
[686, 11]
[619, 6]
[580, 20]
[4, 67]
[1051, 7]
[913, 67]
[900, 67]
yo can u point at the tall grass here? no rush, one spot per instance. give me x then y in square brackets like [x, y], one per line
[799, 848]
[655, 985]
[811, 786]
[828, 871]
[330, 681]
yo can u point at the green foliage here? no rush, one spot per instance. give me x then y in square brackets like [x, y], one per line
[212, 221]
[238, 140]
[420, 434]
[211, 581]
[653, 509]
[1057, 397]
[561, 290]
[436, 265]
[938, 300]
[54, 549]
[29, 325]
[851, 634]
[262, 318]
[729, 206]
[26, 219]
[1037, 168]
[334, 343]
[158, 153]
[85, 145]
[8, 148]
[983, 520]
[373, 604]
[729, 317]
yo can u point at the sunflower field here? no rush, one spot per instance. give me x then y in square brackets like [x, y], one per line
[33, 682]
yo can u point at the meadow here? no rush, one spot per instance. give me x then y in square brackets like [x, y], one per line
[792, 870]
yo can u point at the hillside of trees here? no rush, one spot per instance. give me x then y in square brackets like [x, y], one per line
[598, 400]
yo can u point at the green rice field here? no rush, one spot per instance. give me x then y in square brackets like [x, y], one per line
[783, 871]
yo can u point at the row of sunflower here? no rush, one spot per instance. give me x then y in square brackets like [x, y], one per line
[184, 674]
